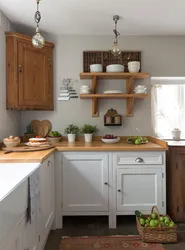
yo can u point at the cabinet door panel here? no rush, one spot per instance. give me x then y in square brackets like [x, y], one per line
[33, 71]
[139, 189]
[85, 180]
[47, 196]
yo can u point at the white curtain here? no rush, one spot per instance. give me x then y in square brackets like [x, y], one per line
[168, 109]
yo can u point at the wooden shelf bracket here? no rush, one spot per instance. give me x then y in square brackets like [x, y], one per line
[95, 112]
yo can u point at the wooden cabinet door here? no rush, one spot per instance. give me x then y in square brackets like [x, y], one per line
[176, 182]
[47, 197]
[34, 77]
[139, 189]
[85, 182]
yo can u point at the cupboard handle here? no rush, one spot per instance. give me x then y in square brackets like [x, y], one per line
[119, 190]
[139, 160]
[20, 68]
[106, 183]
[49, 163]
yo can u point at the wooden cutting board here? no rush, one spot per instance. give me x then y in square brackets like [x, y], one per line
[24, 148]
[41, 128]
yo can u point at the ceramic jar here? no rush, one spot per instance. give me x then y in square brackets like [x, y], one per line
[176, 134]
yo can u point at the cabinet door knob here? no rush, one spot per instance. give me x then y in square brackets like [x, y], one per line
[139, 160]
[49, 163]
[106, 183]
[20, 68]
[119, 190]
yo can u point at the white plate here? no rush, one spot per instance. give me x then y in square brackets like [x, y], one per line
[113, 92]
[110, 140]
[35, 144]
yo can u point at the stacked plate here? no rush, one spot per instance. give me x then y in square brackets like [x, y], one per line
[85, 89]
[112, 92]
[115, 68]
[133, 66]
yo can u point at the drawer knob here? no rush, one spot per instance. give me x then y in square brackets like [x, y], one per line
[119, 190]
[106, 183]
[139, 160]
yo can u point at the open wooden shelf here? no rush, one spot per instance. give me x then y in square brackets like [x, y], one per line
[113, 96]
[114, 75]
[129, 96]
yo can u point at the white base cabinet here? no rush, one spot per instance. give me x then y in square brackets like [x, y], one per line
[138, 189]
[85, 182]
[109, 183]
[47, 189]
[24, 235]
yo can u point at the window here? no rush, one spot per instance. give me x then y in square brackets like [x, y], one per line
[168, 106]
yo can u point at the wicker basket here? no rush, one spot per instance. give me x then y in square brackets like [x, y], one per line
[157, 234]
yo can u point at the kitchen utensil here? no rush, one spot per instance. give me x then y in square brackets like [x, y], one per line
[111, 140]
[96, 68]
[115, 68]
[41, 128]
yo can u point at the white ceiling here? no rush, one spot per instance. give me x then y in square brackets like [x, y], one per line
[94, 17]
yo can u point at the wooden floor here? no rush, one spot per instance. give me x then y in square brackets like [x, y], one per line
[98, 226]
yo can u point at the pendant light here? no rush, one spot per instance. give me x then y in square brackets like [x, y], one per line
[116, 51]
[38, 41]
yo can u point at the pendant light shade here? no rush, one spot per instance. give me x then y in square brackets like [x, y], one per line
[116, 51]
[38, 40]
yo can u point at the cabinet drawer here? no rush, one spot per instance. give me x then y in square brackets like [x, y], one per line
[139, 158]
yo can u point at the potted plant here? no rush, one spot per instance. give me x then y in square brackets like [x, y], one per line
[71, 131]
[88, 131]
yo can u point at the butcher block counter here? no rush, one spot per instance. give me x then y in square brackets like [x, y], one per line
[154, 144]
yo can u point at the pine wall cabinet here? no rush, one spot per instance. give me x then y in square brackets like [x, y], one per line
[29, 74]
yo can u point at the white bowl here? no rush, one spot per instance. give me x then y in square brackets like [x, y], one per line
[115, 68]
[110, 140]
[133, 70]
[11, 143]
[96, 68]
[134, 63]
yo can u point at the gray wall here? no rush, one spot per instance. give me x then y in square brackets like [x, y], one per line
[9, 120]
[161, 56]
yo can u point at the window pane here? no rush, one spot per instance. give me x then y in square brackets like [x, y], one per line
[168, 109]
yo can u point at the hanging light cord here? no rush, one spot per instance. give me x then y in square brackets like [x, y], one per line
[116, 32]
[37, 14]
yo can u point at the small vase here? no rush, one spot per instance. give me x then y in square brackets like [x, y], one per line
[71, 137]
[88, 138]
[176, 134]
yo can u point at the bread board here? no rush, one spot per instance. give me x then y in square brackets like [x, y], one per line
[24, 148]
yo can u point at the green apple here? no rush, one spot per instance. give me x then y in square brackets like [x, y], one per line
[142, 221]
[162, 219]
[171, 224]
[154, 216]
[152, 223]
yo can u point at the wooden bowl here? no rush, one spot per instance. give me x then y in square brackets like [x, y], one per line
[53, 139]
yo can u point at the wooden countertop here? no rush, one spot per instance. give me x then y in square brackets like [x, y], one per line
[154, 144]
[25, 157]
